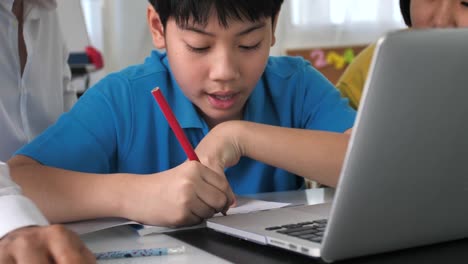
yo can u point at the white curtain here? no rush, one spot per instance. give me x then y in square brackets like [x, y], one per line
[118, 28]
[318, 23]
[344, 12]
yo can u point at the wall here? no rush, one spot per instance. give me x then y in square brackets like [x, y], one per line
[127, 40]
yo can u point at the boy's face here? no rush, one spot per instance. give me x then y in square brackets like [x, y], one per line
[439, 13]
[216, 67]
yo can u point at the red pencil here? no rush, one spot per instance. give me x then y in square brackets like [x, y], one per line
[174, 124]
[171, 119]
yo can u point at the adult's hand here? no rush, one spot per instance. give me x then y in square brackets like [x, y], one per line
[49, 244]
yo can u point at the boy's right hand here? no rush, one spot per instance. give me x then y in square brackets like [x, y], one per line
[184, 195]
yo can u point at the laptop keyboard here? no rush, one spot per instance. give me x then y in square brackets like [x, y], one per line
[312, 230]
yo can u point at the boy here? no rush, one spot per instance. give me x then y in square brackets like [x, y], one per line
[231, 99]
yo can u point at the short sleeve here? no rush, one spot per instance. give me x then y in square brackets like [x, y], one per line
[351, 83]
[322, 106]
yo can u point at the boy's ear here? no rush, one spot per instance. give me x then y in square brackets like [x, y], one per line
[156, 28]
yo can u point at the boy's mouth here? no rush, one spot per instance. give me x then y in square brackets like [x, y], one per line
[223, 100]
[223, 97]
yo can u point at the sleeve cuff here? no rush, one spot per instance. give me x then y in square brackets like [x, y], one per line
[18, 211]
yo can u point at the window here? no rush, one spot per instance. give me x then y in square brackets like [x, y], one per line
[340, 12]
[324, 23]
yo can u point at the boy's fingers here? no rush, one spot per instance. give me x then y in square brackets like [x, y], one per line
[202, 209]
[220, 182]
[211, 196]
[190, 219]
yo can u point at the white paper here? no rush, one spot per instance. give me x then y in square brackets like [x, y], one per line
[244, 205]
[89, 226]
[248, 205]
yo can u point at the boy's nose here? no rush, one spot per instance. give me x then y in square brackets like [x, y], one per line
[225, 67]
[444, 15]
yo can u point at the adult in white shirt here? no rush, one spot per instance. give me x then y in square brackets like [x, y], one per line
[24, 236]
[34, 74]
[34, 91]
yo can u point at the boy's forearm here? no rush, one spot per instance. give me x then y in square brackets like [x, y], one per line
[65, 196]
[312, 154]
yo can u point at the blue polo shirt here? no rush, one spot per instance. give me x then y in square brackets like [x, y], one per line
[117, 127]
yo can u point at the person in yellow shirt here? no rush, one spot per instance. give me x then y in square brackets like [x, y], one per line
[416, 14]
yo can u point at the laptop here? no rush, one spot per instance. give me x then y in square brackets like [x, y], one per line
[404, 181]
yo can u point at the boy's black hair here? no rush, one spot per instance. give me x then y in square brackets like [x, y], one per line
[405, 11]
[199, 10]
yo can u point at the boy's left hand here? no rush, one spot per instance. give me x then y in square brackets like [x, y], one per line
[220, 148]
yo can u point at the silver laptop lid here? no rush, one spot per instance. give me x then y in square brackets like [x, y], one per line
[405, 178]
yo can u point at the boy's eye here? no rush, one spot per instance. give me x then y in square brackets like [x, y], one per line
[197, 49]
[464, 3]
[252, 47]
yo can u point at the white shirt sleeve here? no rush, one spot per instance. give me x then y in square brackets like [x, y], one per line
[69, 92]
[15, 209]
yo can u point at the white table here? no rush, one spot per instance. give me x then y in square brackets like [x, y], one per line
[124, 237]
